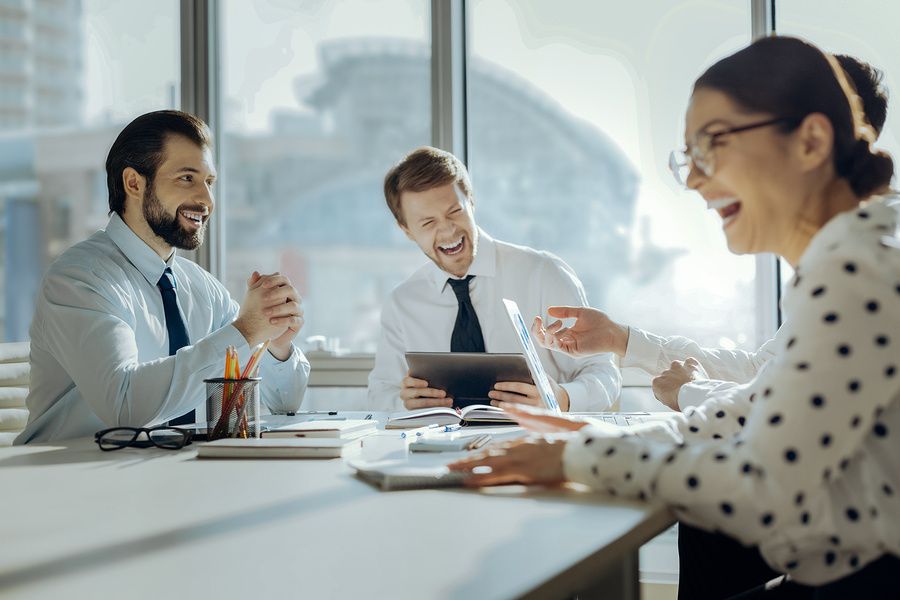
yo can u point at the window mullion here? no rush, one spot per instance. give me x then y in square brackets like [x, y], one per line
[448, 76]
[200, 96]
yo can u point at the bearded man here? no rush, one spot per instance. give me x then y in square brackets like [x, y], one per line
[124, 330]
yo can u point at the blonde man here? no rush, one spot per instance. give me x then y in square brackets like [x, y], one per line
[453, 303]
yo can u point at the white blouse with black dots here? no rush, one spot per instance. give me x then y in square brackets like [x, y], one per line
[804, 460]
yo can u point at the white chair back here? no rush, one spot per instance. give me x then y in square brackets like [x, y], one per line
[15, 372]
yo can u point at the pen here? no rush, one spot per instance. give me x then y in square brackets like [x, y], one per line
[420, 431]
[313, 412]
[478, 441]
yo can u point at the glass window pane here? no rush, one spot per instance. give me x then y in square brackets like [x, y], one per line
[320, 98]
[573, 109]
[831, 26]
[72, 74]
[865, 29]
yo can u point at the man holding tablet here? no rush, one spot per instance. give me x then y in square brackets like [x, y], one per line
[455, 302]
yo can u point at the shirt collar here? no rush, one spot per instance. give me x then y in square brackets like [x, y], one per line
[136, 250]
[484, 264]
[881, 213]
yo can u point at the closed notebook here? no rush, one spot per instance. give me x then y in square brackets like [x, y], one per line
[276, 448]
[400, 475]
[345, 430]
[475, 414]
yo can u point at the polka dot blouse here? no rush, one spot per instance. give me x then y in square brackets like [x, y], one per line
[804, 460]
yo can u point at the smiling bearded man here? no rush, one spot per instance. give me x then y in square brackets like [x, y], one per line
[124, 329]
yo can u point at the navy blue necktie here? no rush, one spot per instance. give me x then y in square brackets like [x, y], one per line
[466, 335]
[178, 335]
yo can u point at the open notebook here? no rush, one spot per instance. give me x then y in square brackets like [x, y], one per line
[474, 414]
[400, 475]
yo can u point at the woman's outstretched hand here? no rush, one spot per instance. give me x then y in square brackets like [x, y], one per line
[592, 333]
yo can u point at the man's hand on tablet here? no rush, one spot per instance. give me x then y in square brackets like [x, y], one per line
[415, 393]
[526, 393]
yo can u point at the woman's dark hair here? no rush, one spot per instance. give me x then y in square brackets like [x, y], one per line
[787, 77]
[869, 84]
[140, 146]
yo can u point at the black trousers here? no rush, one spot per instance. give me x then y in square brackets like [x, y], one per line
[713, 566]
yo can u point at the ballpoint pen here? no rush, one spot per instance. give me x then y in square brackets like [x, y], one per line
[420, 431]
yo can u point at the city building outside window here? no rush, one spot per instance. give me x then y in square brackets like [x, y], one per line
[73, 73]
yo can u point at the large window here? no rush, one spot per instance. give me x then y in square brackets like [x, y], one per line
[864, 30]
[319, 99]
[72, 74]
[573, 109]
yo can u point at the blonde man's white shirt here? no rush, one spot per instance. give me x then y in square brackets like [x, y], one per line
[420, 313]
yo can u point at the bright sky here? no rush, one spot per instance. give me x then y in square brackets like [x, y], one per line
[134, 69]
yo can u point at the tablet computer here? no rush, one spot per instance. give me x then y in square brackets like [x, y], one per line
[467, 377]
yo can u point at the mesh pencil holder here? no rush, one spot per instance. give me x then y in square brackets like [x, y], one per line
[232, 408]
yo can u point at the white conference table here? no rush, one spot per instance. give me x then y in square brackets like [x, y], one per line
[76, 522]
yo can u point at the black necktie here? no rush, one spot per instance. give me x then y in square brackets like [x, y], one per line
[467, 330]
[178, 335]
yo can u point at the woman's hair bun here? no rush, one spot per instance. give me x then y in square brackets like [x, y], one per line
[866, 170]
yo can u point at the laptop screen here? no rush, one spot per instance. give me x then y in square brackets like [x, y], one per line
[531, 355]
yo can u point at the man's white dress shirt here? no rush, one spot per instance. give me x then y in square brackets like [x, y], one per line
[803, 461]
[419, 315]
[100, 348]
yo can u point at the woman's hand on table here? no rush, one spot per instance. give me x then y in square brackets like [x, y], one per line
[529, 461]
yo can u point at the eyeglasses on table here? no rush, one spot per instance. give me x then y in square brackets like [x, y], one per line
[162, 436]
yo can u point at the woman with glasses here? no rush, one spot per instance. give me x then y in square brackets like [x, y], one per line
[686, 374]
[800, 465]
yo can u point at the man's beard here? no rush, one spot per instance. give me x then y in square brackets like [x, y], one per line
[168, 228]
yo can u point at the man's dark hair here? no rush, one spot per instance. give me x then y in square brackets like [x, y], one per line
[140, 146]
[869, 84]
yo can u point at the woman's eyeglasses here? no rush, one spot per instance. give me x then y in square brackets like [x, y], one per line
[700, 154]
[167, 438]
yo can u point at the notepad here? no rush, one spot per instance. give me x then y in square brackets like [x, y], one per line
[475, 414]
[344, 430]
[400, 475]
[277, 448]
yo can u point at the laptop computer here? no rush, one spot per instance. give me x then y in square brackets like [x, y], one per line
[531, 356]
[540, 375]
